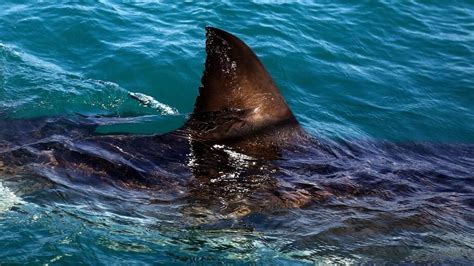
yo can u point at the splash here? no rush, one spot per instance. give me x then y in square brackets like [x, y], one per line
[8, 199]
[151, 102]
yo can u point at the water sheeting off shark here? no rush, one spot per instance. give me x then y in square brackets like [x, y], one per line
[241, 151]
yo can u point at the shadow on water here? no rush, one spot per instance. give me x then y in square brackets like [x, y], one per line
[327, 201]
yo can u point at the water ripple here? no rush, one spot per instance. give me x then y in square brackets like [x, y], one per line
[386, 88]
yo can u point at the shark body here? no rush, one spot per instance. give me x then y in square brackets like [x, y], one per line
[241, 151]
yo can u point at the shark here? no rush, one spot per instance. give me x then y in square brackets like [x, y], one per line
[240, 123]
[241, 151]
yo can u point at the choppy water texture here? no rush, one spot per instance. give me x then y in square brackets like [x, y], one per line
[386, 89]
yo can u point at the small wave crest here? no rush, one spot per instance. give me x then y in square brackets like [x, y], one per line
[8, 199]
[153, 103]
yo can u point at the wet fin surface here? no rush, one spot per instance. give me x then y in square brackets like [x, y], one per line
[236, 84]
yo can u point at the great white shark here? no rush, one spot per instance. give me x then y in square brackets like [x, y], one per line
[230, 156]
[240, 121]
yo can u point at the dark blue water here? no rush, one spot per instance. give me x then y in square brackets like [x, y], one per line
[385, 89]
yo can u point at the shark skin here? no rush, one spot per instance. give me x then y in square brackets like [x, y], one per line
[240, 124]
[241, 152]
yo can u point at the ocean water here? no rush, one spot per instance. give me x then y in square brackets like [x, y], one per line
[376, 81]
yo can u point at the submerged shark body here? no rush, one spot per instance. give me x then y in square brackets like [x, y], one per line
[242, 150]
[172, 166]
[240, 123]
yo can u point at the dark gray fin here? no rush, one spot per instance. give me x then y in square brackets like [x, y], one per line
[237, 90]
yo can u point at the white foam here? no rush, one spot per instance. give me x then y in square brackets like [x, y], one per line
[151, 102]
[8, 199]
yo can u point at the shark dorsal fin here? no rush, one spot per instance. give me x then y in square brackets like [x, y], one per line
[236, 89]
[234, 78]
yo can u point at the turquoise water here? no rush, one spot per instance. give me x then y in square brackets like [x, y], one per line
[377, 71]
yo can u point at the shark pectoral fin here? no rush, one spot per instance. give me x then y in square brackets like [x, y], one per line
[235, 83]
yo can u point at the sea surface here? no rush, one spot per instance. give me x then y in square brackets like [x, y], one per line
[386, 86]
